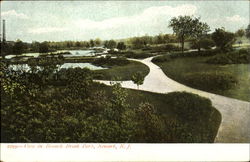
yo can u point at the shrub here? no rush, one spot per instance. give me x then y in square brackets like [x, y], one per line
[210, 80]
[170, 56]
[138, 55]
[165, 48]
[164, 58]
[189, 106]
[205, 43]
[236, 57]
[108, 61]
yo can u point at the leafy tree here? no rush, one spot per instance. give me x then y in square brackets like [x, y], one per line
[240, 33]
[91, 43]
[205, 43]
[97, 41]
[223, 39]
[110, 44]
[78, 44]
[160, 39]
[137, 43]
[138, 79]
[121, 46]
[19, 47]
[248, 31]
[43, 47]
[35, 46]
[186, 26]
[199, 33]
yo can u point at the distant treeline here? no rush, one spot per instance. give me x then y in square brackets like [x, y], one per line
[18, 47]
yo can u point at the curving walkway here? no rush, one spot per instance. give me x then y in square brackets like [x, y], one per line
[235, 125]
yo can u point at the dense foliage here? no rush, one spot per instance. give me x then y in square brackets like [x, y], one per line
[108, 61]
[223, 39]
[76, 110]
[205, 43]
[210, 80]
[174, 55]
[236, 57]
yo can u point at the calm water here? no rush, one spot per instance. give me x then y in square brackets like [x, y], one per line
[26, 67]
[79, 53]
[73, 53]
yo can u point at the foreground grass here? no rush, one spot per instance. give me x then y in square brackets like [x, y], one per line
[121, 72]
[179, 67]
[200, 129]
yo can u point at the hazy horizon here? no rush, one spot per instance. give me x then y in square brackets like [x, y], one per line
[84, 20]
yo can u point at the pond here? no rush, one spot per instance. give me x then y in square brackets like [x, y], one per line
[26, 67]
[79, 53]
[73, 53]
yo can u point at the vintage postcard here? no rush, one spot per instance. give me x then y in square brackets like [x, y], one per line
[125, 80]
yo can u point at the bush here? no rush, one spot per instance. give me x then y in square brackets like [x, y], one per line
[164, 58]
[138, 55]
[210, 80]
[189, 106]
[194, 53]
[165, 48]
[108, 61]
[205, 43]
[170, 56]
[236, 57]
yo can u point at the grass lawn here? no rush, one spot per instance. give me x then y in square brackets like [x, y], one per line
[121, 72]
[177, 68]
[200, 130]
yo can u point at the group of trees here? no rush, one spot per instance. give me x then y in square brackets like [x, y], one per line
[19, 47]
[187, 27]
[144, 41]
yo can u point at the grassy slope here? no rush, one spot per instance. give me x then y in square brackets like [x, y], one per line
[176, 69]
[121, 72]
[204, 127]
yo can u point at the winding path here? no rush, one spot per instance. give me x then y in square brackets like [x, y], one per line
[235, 125]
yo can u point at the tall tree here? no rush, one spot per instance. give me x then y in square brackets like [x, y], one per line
[240, 33]
[110, 44]
[121, 46]
[18, 47]
[43, 47]
[200, 31]
[223, 39]
[186, 26]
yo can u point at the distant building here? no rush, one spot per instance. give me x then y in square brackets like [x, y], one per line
[4, 32]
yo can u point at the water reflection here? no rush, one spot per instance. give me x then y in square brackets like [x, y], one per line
[25, 67]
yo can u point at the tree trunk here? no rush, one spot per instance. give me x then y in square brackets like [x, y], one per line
[182, 44]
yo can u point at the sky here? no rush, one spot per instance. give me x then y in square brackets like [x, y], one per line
[84, 20]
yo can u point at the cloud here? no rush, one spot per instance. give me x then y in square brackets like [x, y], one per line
[45, 30]
[232, 23]
[149, 16]
[236, 18]
[13, 13]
